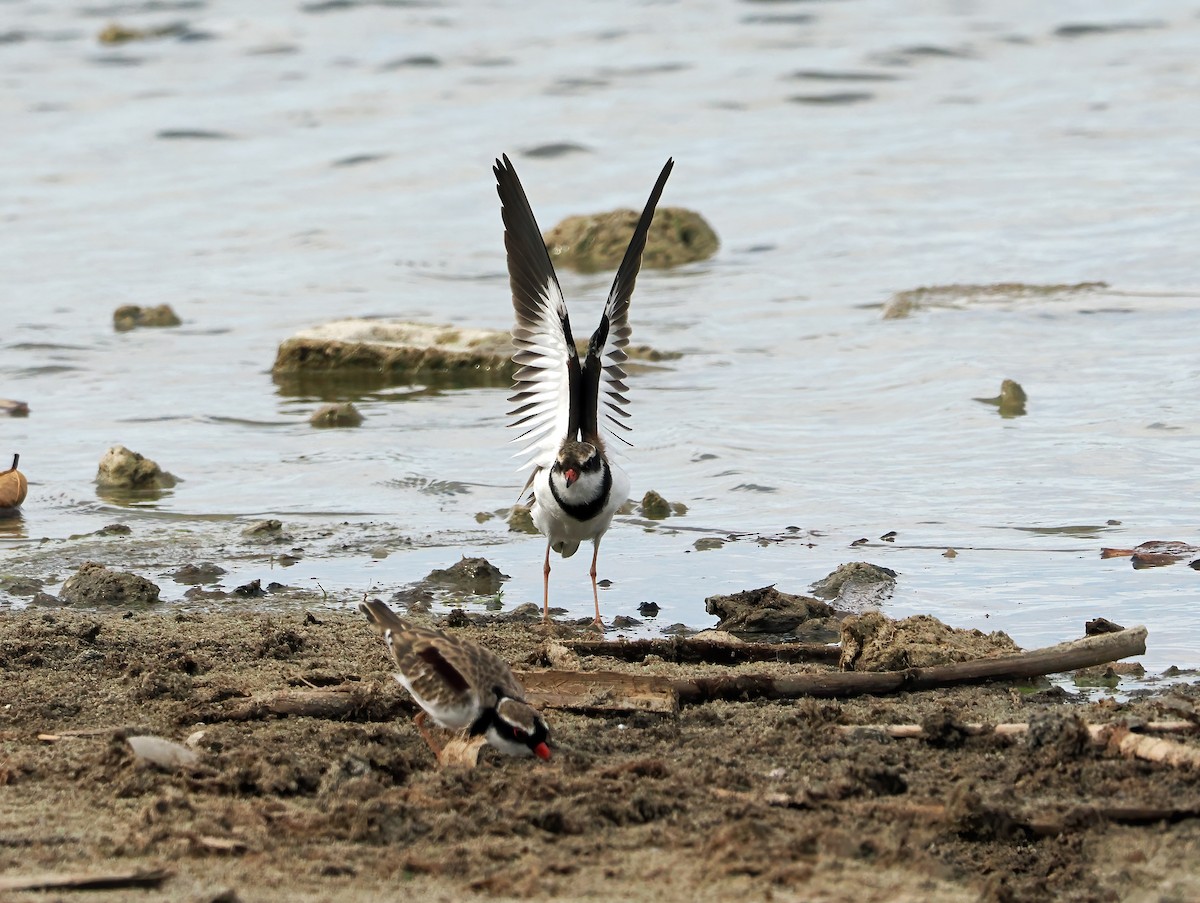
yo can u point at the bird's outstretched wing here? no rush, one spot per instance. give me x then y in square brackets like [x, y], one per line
[548, 372]
[602, 384]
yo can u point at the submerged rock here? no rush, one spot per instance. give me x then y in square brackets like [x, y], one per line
[130, 316]
[857, 585]
[765, 610]
[94, 584]
[874, 642]
[1010, 401]
[904, 304]
[598, 241]
[121, 468]
[336, 415]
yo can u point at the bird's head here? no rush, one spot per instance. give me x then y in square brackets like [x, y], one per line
[518, 729]
[576, 459]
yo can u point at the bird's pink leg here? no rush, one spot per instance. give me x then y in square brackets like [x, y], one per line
[595, 594]
[546, 586]
[419, 721]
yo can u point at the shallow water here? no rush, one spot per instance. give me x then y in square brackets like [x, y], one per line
[278, 168]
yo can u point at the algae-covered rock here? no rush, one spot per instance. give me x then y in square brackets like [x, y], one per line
[520, 520]
[131, 316]
[1010, 401]
[598, 242]
[655, 507]
[121, 468]
[874, 642]
[94, 584]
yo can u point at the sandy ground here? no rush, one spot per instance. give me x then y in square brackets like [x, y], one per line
[758, 800]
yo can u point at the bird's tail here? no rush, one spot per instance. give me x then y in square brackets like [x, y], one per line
[381, 616]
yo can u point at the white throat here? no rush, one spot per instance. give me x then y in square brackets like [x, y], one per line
[588, 488]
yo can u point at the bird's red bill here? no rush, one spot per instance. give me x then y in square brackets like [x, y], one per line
[571, 474]
[542, 751]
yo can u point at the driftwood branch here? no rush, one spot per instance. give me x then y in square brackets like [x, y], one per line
[86, 880]
[692, 650]
[1094, 650]
[354, 701]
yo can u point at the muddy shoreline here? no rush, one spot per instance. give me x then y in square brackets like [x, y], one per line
[771, 800]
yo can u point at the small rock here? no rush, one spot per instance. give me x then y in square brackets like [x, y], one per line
[336, 415]
[131, 316]
[648, 609]
[624, 622]
[706, 543]
[121, 468]
[269, 528]
[195, 574]
[14, 408]
[94, 584]
[114, 530]
[251, 590]
[765, 610]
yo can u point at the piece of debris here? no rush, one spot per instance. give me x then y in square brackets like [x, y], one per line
[13, 408]
[765, 610]
[94, 584]
[131, 316]
[856, 585]
[336, 415]
[1153, 554]
[874, 642]
[13, 486]
[121, 468]
[164, 754]
[196, 574]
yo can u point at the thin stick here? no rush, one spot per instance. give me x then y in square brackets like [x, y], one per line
[692, 649]
[86, 880]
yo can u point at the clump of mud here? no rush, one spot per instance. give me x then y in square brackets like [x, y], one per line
[765, 611]
[874, 642]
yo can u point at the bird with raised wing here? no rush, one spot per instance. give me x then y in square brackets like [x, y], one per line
[567, 408]
[460, 685]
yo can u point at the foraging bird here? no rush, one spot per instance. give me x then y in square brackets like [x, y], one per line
[461, 685]
[576, 487]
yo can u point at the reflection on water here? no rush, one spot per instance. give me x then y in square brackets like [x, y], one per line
[297, 168]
